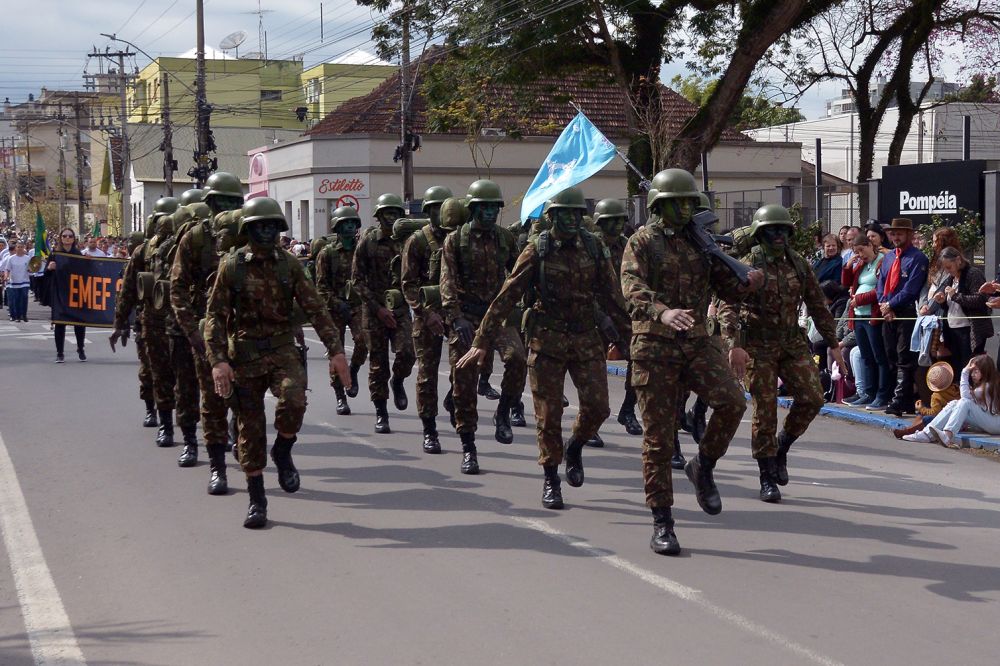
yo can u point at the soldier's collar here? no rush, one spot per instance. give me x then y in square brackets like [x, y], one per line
[655, 222]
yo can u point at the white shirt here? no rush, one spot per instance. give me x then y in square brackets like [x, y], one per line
[96, 252]
[18, 267]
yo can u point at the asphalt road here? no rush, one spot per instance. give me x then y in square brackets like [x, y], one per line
[882, 551]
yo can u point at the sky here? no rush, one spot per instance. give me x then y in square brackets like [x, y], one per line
[46, 43]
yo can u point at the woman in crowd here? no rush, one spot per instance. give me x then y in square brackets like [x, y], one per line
[979, 406]
[829, 266]
[862, 275]
[67, 244]
[967, 326]
[877, 237]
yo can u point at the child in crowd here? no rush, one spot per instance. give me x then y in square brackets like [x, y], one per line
[978, 406]
[941, 382]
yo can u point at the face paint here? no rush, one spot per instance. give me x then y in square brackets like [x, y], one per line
[221, 203]
[612, 226]
[484, 215]
[434, 214]
[347, 233]
[263, 232]
[388, 216]
[677, 212]
[566, 221]
[774, 238]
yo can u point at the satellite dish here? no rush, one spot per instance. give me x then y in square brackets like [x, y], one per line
[253, 55]
[233, 41]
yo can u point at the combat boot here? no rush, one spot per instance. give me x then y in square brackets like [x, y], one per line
[699, 472]
[281, 454]
[517, 419]
[596, 441]
[449, 406]
[343, 409]
[626, 414]
[552, 488]
[165, 435]
[150, 420]
[257, 511]
[189, 456]
[399, 394]
[234, 434]
[353, 391]
[381, 418]
[217, 483]
[470, 461]
[785, 442]
[501, 419]
[696, 415]
[484, 389]
[664, 541]
[574, 461]
[768, 489]
[677, 460]
[431, 442]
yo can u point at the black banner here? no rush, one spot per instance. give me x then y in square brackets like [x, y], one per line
[84, 289]
[918, 191]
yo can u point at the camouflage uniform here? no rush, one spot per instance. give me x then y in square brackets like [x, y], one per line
[127, 301]
[333, 282]
[372, 278]
[666, 362]
[251, 327]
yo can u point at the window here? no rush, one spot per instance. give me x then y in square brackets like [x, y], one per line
[270, 95]
[312, 91]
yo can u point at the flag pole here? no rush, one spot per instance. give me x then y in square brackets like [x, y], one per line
[644, 183]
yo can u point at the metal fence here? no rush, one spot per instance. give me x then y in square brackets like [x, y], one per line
[839, 205]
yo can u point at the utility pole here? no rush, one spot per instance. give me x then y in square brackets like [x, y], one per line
[203, 165]
[169, 165]
[126, 167]
[405, 134]
[79, 162]
[62, 169]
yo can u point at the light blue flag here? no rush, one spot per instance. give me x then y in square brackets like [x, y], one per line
[580, 152]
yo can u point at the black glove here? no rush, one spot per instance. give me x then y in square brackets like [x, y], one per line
[463, 329]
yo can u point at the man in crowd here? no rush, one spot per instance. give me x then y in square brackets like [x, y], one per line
[15, 271]
[250, 335]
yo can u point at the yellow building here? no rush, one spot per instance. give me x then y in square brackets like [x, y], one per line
[328, 85]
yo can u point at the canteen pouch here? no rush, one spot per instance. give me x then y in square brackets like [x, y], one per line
[430, 297]
[144, 286]
[161, 294]
[394, 300]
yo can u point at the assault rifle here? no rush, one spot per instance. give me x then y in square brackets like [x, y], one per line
[700, 233]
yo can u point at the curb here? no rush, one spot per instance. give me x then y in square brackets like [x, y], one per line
[874, 419]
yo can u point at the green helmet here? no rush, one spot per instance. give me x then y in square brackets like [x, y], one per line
[262, 208]
[704, 203]
[485, 191]
[165, 206]
[135, 240]
[435, 195]
[571, 197]
[672, 184]
[609, 208]
[150, 229]
[343, 214]
[191, 196]
[770, 214]
[389, 201]
[454, 213]
[222, 184]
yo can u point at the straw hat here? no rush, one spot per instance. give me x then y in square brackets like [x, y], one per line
[940, 376]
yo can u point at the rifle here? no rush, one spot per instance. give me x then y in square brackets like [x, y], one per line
[699, 231]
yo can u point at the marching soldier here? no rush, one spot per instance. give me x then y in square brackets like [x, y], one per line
[250, 334]
[384, 323]
[421, 276]
[569, 270]
[768, 344]
[333, 282]
[667, 283]
[191, 278]
[476, 260]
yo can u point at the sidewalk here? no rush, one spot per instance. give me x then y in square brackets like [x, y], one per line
[860, 416]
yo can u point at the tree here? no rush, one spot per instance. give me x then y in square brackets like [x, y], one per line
[980, 90]
[750, 112]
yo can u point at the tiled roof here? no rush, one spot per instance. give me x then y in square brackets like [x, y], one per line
[600, 98]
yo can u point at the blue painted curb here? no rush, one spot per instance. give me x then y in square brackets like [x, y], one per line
[861, 417]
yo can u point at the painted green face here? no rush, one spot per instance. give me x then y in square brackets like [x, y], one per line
[566, 221]
[612, 226]
[485, 214]
[434, 214]
[388, 216]
[263, 232]
[347, 232]
[219, 203]
[774, 238]
[677, 212]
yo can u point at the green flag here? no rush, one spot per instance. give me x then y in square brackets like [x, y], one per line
[41, 238]
[97, 228]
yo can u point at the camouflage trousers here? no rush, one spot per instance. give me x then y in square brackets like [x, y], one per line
[214, 426]
[428, 347]
[360, 353]
[379, 339]
[185, 381]
[145, 371]
[283, 374]
[548, 379]
[660, 385]
[157, 345]
[465, 381]
[794, 365]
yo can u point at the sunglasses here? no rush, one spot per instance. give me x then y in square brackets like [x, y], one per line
[68, 236]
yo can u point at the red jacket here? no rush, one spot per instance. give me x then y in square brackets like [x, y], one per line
[849, 276]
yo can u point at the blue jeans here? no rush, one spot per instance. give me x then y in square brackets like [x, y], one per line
[17, 302]
[862, 373]
[881, 382]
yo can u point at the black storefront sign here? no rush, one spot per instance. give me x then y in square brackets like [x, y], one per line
[918, 191]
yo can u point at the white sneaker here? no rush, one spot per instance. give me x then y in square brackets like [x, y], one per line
[919, 436]
[943, 437]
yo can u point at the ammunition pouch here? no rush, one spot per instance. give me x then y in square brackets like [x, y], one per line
[144, 286]
[394, 300]
[161, 294]
[430, 297]
[248, 350]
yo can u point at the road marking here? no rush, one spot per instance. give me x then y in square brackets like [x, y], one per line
[679, 590]
[49, 631]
